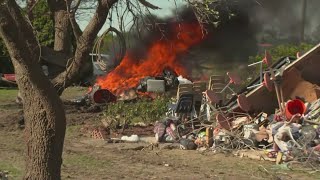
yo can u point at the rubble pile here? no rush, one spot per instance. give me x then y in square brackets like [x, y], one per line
[166, 81]
[278, 115]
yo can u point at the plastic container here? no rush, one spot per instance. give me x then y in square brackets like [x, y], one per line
[103, 96]
[293, 107]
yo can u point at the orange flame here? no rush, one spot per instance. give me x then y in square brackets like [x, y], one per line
[160, 55]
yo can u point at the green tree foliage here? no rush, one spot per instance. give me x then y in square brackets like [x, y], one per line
[3, 49]
[5, 63]
[44, 27]
[43, 23]
[107, 44]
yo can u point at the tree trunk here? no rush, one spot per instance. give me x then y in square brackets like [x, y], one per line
[79, 64]
[43, 110]
[62, 39]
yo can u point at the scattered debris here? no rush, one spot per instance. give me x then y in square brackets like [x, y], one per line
[4, 175]
[164, 82]
[281, 129]
[275, 118]
[100, 133]
[132, 138]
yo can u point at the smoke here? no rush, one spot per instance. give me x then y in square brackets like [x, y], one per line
[283, 20]
[236, 37]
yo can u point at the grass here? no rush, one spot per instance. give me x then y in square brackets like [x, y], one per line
[11, 156]
[74, 92]
[13, 171]
[73, 132]
[8, 95]
[84, 161]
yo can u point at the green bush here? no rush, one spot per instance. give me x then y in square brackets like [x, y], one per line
[280, 51]
[142, 110]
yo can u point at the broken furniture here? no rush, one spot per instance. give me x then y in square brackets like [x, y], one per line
[300, 78]
[261, 93]
[184, 89]
[209, 104]
[198, 89]
[266, 60]
[189, 99]
[216, 84]
[212, 97]
[233, 79]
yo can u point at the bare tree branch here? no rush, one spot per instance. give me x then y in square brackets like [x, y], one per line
[75, 5]
[84, 45]
[149, 5]
[99, 18]
[72, 8]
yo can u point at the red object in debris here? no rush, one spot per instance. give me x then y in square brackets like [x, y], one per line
[234, 78]
[267, 82]
[293, 107]
[223, 121]
[267, 58]
[243, 102]
[317, 148]
[10, 77]
[103, 96]
[212, 96]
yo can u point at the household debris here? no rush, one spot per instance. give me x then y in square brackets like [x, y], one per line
[132, 138]
[95, 96]
[4, 175]
[277, 115]
[164, 82]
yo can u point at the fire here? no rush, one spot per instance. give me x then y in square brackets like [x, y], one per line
[160, 55]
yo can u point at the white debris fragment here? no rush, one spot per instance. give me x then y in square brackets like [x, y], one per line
[183, 80]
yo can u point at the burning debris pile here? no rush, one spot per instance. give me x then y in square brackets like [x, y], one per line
[277, 114]
[168, 80]
[160, 61]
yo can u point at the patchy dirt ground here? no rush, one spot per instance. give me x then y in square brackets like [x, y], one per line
[86, 158]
